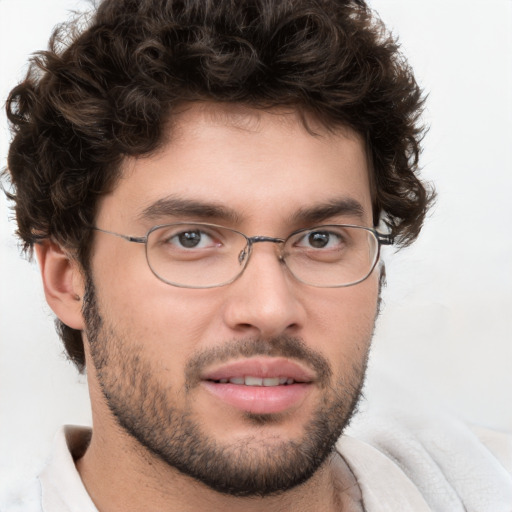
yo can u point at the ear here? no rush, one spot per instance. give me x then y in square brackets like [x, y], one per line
[63, 283]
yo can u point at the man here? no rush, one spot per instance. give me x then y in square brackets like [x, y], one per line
[202, 184]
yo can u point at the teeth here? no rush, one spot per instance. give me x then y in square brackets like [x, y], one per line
[258, 381]
[253, 381]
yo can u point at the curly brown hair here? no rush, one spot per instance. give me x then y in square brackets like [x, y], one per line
[107, 91]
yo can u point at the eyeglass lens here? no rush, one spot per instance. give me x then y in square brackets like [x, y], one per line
[206, 255]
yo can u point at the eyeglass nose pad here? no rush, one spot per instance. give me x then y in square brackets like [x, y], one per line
[242, 256]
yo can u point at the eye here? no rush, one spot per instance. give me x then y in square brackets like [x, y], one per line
[321, 239]
[191, 239]
[183, 238]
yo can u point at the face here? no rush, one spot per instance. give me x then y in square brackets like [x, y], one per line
[181, 370]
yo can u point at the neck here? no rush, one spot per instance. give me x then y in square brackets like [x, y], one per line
[121, 475]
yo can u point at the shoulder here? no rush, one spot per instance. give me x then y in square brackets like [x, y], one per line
[21, 496]
[452, 465]
[498, 443]
[58, 486]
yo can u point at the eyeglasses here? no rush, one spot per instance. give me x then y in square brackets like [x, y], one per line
[191, 255]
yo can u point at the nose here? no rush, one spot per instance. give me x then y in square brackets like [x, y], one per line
[265, 300]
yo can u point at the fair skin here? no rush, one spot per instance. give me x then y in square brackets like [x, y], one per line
[266, 170]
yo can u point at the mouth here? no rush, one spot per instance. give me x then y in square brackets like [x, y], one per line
[260, 385]
[249, 380]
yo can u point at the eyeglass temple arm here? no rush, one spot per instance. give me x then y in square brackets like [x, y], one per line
[136, 239]
[385, 239]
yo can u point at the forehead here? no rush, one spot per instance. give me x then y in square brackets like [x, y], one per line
[246, 161]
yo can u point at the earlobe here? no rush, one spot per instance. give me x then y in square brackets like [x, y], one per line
[62, 282]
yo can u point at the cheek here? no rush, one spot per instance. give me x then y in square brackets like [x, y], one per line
[345, 318]
[347, 309]
[169, 322]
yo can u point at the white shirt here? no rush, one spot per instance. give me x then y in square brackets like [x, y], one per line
[440, 466]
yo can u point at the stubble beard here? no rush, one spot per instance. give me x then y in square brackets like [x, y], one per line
[254, 466]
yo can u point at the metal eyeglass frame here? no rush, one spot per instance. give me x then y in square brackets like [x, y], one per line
[382, 239]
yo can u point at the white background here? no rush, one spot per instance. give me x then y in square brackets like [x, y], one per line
[446, 328]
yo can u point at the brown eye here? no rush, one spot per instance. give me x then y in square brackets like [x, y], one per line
[189, 239]
[318, 240]
[324, 239]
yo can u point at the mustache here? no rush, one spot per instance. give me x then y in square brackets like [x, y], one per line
[281, 346]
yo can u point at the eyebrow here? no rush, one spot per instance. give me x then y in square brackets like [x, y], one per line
[333, 208]
[172, 206]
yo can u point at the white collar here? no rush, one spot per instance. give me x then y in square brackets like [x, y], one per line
[384, 486]
[62, 487]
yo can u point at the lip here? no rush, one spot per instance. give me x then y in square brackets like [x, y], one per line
[263, 367]
[260, 399]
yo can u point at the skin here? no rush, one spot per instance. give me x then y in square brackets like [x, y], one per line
[265, 167]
